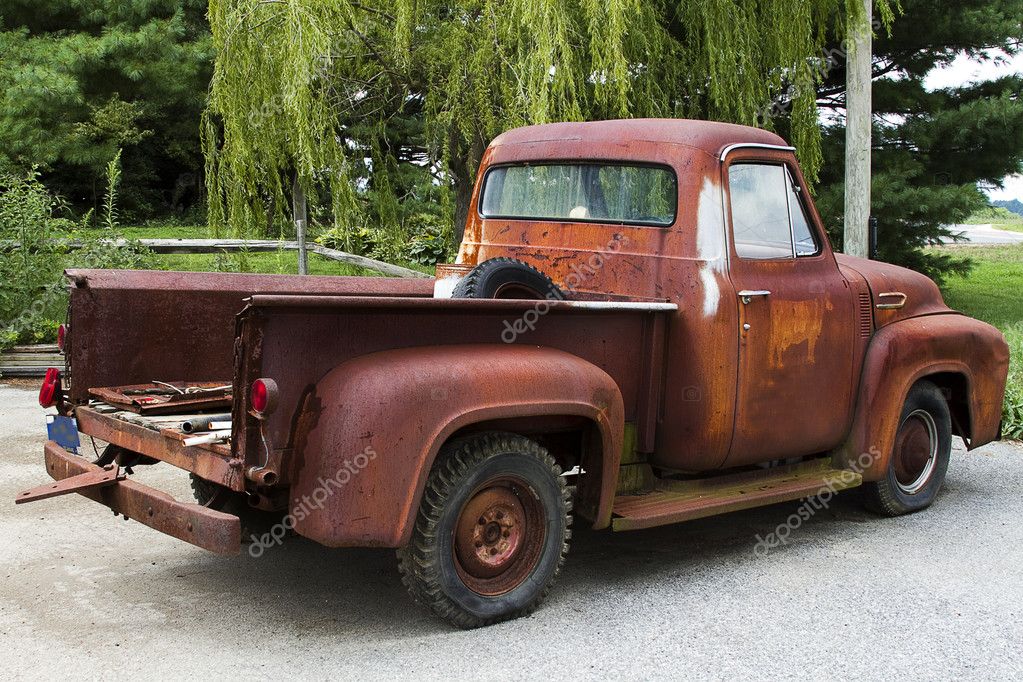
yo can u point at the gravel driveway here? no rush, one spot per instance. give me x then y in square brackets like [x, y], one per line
[932, 596]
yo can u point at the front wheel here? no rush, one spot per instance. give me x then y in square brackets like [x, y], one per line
[919, 460]
[492, 531]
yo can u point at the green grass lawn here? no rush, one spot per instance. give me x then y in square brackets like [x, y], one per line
[278, 263]
[164, 232]
[999, 218]
[993, 292]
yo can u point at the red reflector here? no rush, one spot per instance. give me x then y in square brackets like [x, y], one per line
[263, 397]
[61, 337]
[260, 395]
[50, 389]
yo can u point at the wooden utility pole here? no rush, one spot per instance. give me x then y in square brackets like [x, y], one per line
[858, 108]
[298, 207]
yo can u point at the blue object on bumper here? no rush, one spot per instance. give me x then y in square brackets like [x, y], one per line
[63, 431]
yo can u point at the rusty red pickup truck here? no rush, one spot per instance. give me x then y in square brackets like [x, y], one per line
[645, 324]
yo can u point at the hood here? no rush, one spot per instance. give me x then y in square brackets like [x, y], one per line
[889, 284]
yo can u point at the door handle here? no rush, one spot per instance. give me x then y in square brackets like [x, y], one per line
[747, 295]
[898, 300]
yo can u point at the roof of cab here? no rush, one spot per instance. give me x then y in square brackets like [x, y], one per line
[709, 136]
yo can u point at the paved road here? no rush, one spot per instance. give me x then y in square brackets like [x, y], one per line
[986, 235]
[933, 596]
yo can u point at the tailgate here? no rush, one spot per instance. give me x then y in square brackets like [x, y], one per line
[160, 437]
[129, 327]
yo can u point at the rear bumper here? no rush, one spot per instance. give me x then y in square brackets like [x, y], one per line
[216, 531]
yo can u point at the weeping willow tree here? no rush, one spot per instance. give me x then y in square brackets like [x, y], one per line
[348, 95]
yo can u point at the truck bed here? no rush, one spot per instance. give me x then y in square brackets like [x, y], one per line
[130, 328]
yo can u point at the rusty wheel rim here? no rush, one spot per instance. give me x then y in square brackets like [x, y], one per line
[499, 536]
[916, 452]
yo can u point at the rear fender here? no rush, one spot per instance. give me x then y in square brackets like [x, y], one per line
[378, 421]
[905, 352]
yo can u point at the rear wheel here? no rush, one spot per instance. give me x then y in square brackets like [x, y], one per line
[255, 522]
[492, 531]
[919, 459]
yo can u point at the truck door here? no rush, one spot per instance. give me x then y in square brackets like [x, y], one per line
[796, 316]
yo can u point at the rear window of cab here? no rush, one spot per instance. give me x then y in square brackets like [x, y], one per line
[582, 192]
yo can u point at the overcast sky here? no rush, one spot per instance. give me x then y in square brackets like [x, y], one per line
[964, 71]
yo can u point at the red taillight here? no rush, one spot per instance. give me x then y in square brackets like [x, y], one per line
[49, 392]
[260, 396]
[263, 396]
[61, 337]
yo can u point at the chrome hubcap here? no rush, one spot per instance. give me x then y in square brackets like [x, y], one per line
[916, 452]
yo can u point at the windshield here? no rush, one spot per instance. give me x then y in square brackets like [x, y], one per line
[644, 195]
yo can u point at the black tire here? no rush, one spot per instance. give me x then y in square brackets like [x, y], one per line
[919, 459]
[255, 522]
[492, 531]
[507, 278]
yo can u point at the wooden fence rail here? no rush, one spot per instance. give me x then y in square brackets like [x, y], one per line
[184, 246]
[29, 361]
[198, 246]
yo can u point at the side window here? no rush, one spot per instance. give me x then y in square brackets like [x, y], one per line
[802, 234]
[768, 219]
[760, 210]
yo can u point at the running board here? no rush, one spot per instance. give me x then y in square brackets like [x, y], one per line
[672, 501]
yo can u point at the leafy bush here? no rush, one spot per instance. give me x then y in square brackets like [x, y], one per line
[35, 247]
[27, 228]
[428, 248]
[363, 241]
[1012, 417]
[424, 241]
[432, 239]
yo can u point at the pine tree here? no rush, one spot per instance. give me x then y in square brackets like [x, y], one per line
[931, 149]
[81, 79]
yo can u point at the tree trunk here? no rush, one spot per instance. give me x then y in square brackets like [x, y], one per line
[464, 178]
[463, 195]
[298, 208]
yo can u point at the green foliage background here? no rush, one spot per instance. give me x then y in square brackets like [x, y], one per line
[371, 104]
[37, 242]
[80, 79]
[383, 109]
[932, 149]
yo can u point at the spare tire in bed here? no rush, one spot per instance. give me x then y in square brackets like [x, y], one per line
[507, 278]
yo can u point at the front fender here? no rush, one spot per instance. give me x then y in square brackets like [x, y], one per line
[379, 420]
[904, 352]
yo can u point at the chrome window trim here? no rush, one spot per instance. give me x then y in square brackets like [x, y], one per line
[754, 145]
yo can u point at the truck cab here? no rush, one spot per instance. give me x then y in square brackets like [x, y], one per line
[734, 241]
